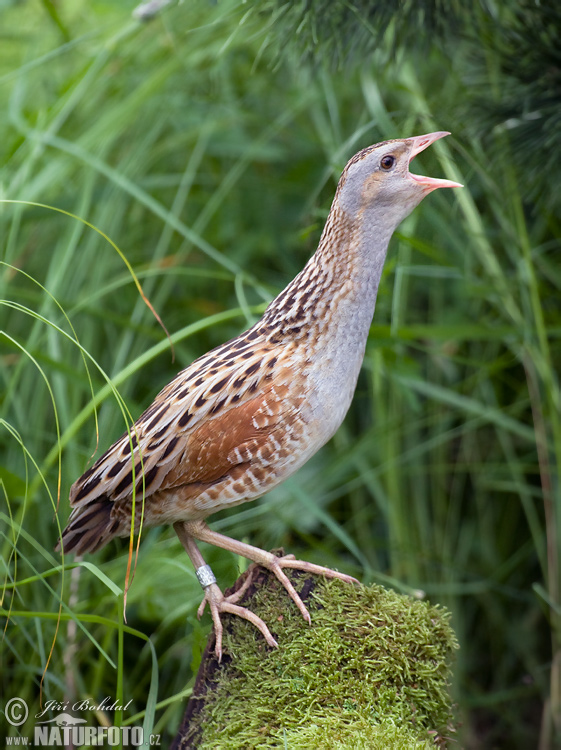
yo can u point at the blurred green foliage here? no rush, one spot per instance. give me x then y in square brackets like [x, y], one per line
[206, 144]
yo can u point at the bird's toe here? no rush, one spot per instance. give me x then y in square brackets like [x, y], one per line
[219, 604]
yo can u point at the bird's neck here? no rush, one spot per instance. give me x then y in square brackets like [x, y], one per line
[324, 315]
[331, 301]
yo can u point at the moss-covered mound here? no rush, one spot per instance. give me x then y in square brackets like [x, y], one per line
[372, 672]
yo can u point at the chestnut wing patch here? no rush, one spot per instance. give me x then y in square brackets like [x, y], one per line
[251, 433]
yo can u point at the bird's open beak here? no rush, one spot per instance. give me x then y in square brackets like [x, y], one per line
[420, 143]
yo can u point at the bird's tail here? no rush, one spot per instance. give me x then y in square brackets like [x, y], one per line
[90, 527]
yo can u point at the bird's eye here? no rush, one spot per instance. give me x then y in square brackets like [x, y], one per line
[387, 162]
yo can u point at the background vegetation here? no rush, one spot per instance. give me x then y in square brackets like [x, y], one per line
[206, 144]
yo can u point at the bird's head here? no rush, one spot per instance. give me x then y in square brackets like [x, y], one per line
[377, 185]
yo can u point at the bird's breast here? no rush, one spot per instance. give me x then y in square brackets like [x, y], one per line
[334, 370]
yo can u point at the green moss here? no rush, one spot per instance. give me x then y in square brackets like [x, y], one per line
[372, 671]
[357, 735]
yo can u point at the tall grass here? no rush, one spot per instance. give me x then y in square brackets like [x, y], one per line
[212, 172]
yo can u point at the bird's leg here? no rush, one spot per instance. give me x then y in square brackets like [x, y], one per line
[213, 595]
[199, 530]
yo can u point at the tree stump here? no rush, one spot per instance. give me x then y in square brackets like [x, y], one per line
[372, 672]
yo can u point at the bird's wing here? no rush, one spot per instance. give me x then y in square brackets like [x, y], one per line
[257, 433]
[192, 429]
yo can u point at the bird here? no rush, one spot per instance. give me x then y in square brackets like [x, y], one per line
[248, 414]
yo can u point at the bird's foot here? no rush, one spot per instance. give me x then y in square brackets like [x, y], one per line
[276, 564]
[188, 531]
[219, 603]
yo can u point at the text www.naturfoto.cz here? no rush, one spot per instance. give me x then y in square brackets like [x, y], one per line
[79, 736]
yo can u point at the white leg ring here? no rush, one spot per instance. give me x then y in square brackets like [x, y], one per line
[205, 576]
